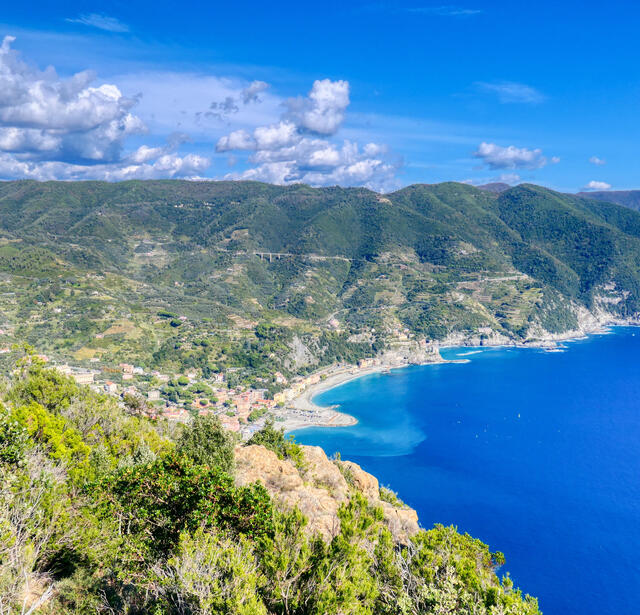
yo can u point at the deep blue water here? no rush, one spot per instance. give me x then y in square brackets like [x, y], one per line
[535, 453]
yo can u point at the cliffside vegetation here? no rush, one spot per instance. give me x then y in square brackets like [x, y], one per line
[257, 279]
[102, 512]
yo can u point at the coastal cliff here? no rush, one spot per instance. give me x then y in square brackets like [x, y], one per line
[106, 512]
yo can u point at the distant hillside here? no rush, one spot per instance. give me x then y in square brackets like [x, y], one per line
[627, 198]
[258, 278]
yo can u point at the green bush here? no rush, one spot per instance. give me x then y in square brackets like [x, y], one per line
[157, 502]
[206, 442]
[14, 438]
[254, 415]
[390, 496]
[62, 441]
[47, 387]
[213, 573]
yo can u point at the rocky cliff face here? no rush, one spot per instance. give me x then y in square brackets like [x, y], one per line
[319, 488]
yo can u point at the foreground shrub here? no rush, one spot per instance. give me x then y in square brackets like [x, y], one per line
[211, 573]
[207, 442]
[154, 503]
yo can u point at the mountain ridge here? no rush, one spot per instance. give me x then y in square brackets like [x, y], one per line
[338, 274]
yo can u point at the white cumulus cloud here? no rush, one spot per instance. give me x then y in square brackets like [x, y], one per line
[276, 136]
[166, 166]
[323, 110]
[299, 147]
[511, 157]
[596, 185]
[54, 128]
[237, 140]
[61, 118]
[597, 161]
[145, 153]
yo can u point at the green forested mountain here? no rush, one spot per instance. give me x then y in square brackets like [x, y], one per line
[271, 277]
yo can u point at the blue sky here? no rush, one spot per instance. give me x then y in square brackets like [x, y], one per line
[381, 94]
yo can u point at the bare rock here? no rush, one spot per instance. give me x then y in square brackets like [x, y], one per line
[256, 463]
[323, 473]
[362, 481]
[318, 488]
[284, 483]
[402, 522]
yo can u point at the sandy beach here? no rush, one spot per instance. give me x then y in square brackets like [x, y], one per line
[303, 412]
[336, 378]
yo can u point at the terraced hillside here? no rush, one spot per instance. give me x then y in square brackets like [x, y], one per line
[256, 278]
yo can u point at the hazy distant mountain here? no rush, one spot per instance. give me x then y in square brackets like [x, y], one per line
[496, 187]
[628, 198]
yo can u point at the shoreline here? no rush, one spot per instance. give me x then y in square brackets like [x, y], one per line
[309, 414]
[306, 413]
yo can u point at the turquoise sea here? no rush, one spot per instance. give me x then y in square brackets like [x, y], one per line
[535, 453]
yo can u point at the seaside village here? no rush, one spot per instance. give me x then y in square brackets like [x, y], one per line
[180, 397]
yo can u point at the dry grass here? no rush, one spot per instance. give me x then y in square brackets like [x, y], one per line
[124, 326]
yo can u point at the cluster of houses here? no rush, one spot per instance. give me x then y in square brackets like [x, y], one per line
[157, 395]
[236, 408]
[153, 394]
[298, 385]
